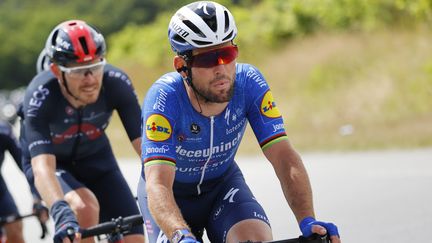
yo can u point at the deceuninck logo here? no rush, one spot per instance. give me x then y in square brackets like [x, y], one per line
[158, 128]
[268, 106]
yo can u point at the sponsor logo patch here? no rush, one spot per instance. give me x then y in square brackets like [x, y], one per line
[158, 128]
[195, 129]
[268, 106]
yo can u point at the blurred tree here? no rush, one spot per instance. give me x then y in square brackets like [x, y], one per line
[25, 24]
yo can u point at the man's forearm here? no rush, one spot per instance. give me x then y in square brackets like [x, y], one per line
[49, 189]
[45, 179]
[297, 189]
[164, 209]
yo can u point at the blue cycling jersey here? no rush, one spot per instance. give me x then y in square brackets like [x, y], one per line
[203, 148]
[52, 126]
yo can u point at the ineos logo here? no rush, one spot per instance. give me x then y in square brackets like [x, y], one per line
[36, 100]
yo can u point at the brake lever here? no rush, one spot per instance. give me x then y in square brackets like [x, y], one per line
[44, 229]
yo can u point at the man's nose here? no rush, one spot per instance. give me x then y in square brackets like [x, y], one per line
[220, 69]
[88, 72]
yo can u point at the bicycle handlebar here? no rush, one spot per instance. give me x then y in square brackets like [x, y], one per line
[13, 218]
[315, 238]
[118, 225]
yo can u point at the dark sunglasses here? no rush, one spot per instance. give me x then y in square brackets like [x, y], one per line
[215, 57]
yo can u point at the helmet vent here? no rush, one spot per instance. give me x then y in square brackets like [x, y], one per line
[83, 42]
[179, 39]
[202, 43]
[211, 22]
[54, 38]
[226, 20]
[228, 37]
[194, 28]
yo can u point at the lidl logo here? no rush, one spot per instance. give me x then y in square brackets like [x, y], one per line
[268, 106]
[158, 128]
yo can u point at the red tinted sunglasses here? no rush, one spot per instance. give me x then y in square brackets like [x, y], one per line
[215, 57]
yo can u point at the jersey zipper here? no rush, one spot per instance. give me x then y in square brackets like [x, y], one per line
[210, 156]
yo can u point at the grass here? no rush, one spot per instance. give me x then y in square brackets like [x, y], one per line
[379, 84]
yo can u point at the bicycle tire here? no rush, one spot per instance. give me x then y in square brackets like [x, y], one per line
[112, 226]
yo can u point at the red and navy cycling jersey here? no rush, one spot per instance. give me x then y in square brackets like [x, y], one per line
[52, 126]
[202, 148]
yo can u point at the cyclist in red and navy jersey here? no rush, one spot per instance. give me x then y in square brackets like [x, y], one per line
[193, 122]
[66, 153]
[8, 207]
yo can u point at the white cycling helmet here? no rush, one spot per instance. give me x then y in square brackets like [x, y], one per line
[201, 24]
[43, 62]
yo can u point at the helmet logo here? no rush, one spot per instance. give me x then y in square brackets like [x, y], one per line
[63, 43]
[181, 32]
[203, 6]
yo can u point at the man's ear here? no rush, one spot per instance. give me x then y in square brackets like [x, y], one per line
[180, 66]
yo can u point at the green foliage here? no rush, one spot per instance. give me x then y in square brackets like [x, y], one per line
[25, 25]
[268, 24]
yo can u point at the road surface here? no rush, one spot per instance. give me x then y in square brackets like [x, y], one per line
[377, 196]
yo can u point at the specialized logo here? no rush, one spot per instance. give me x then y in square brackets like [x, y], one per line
[158, 128]
[268, 106]
[180, 31]
[230, 195]
[203, 6]
[227, 115]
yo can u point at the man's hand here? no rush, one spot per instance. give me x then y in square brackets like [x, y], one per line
[66, 225]
[309, 225]
[68, 232]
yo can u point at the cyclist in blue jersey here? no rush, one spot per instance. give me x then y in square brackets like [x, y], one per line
[13, 231]
[66, 154]
[193, 122]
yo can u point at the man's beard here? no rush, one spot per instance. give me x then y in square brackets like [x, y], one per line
[215, 97]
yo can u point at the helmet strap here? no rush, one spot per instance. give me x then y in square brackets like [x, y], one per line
[67, 87]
